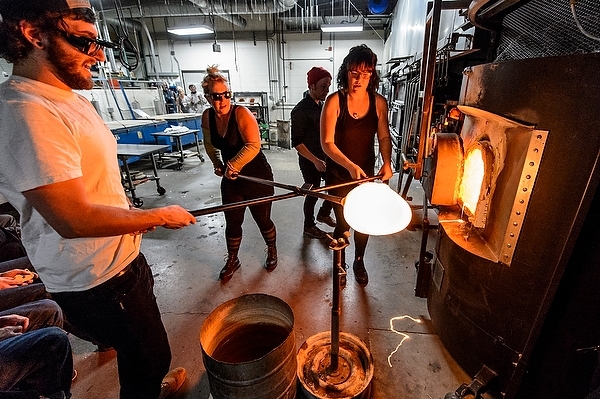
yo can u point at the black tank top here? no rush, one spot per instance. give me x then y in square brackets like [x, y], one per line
[356, 140]
[230, 145]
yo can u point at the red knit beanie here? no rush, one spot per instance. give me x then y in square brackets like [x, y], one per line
[316, 74]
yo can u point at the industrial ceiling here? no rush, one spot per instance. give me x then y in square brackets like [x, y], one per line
[244, 19]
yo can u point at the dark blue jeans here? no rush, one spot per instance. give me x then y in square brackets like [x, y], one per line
[122, 313]
[36, 363]
[42, 313]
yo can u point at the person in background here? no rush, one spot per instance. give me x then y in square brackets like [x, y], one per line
[194, 101]
[170, 97]
[351, 119]
[232, 142]
[306, 138]
[35, 353]
[59, 170]
[180, 100]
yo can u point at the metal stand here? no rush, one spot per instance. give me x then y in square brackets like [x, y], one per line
[339, 247]
[333, 364]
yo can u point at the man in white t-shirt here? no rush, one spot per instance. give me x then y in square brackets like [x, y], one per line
[58, 168]
[195, 102]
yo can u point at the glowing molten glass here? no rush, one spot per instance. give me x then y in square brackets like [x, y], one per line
[375, 209]
[472, 180]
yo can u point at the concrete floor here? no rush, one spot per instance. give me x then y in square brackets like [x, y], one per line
[186, 264]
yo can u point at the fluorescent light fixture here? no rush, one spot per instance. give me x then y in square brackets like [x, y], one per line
[190, 30]
[350, 27]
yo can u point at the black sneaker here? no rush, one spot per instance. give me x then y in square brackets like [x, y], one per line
[328, 220]
[360, 273]
[314, 232]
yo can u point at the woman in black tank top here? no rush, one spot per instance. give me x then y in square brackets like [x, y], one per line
[351, 119]
[232, 142]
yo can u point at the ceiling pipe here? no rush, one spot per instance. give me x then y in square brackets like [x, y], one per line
[244, 7]
[238, 21]
[180, 10]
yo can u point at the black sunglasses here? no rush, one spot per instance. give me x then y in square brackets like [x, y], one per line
[86, 45]
[219, 96]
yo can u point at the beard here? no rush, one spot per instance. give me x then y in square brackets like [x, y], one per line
[67, 68]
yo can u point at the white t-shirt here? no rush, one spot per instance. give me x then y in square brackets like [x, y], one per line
[49, 135]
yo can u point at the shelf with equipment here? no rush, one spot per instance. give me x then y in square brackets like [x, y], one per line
[257, 103]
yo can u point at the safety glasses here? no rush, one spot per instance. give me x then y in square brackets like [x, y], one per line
[360, 75]
[86, 45]
[218, 96]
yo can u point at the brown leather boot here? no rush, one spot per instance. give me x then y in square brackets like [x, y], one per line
[270, 239]
[232, 263]
[271, 262]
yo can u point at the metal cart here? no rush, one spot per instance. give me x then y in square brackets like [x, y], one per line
[180, 154]
[126, 151]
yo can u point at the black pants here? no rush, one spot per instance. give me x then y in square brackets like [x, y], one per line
[360, 239]
[312, 176]
[122, 313]
[233, 191]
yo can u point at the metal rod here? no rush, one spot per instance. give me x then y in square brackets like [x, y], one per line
[338, 246]
[297, 191]
[241, 204]
[424, 272]
[333, 186]
[316, 192]
[335, 311]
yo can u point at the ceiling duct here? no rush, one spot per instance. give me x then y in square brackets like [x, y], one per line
[162, 10]
[244, 7]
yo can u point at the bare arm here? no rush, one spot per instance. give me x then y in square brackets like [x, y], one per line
[331, 110]
[383, 136]
[66, 208]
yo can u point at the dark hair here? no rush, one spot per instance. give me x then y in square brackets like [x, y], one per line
[358, 56]
[14, 47]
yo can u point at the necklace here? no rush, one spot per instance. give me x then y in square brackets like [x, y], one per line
[222, 123]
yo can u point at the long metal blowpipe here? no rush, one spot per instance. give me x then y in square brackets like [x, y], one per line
[296, 191]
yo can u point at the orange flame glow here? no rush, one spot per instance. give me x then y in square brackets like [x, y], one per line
[472, 180]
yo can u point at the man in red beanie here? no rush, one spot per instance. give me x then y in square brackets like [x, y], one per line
[306, 139]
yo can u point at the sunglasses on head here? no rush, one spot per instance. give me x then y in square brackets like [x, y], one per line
[219, 96]
[86, 45]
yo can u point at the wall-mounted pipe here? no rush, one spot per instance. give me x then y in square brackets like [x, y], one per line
[152, 53]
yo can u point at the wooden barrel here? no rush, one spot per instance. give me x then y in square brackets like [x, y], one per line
[249, 349]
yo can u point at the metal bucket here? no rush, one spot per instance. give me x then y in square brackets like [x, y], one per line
[249, 349]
